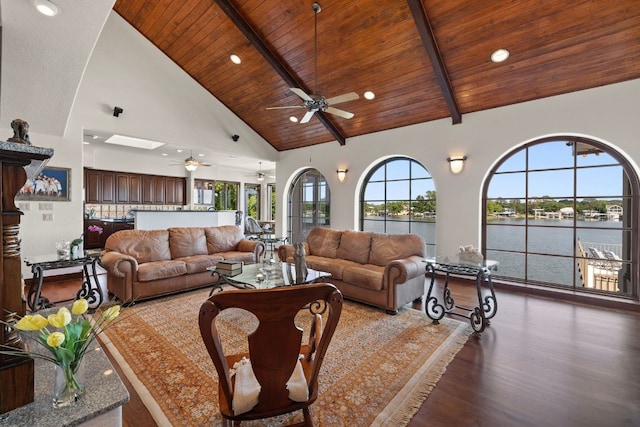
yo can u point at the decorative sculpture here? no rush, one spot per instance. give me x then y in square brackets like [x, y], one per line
[469, 254]
[300, 262]
[20, 132]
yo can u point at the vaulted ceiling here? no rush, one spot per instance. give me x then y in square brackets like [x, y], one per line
[424, 59]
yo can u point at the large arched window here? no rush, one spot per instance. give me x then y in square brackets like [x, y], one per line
[563, 213]
[399, 197]
[309, 201]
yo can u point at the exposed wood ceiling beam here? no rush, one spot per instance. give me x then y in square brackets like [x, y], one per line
[278, 65]
[429, 42]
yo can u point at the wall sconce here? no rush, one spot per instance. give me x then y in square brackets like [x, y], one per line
[342, 174]
[456, 164]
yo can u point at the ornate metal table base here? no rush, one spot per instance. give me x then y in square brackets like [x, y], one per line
[479, 315]
[90, 289]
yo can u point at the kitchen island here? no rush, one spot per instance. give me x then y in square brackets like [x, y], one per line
[162, 220]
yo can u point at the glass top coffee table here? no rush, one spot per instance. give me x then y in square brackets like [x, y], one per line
[264, 276]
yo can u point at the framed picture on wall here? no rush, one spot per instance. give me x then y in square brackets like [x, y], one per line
[50, 184]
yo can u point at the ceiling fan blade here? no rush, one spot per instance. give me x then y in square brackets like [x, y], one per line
[302, 94]
[288, 106]
[351, 96]
[341, 113]
[307, 116]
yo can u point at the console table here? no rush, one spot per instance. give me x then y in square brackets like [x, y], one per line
[479, 315]
[90, 289]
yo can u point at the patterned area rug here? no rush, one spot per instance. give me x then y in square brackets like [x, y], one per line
[378, 370]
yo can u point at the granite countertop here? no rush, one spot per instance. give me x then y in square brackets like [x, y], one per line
[112, 219]
[104, 392]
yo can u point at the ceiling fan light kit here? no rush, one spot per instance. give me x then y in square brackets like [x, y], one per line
[315, 102]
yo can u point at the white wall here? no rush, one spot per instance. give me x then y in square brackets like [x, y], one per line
[608, 114]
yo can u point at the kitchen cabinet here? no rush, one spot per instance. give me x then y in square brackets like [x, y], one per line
[106, 187]
[95, 240]
[135, 189]
[122, 188]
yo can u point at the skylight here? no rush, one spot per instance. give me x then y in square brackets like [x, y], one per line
[145, 144]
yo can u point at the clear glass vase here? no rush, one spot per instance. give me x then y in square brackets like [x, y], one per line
[68, 387]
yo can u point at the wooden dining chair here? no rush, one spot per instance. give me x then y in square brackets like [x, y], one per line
[275, 346]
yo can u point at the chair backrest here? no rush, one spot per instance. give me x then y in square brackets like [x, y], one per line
[252, 226]
[275, 346]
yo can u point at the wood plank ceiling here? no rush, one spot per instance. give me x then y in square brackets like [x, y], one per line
[424, 59]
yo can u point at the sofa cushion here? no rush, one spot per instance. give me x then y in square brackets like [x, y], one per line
[364, 276]
[187, 241]
[143, 245]
[335, 266]
[161, 270]
[388, 247]
[246, 257]
[199, 263]
[323, 242]
[223, 238]
[355, 246]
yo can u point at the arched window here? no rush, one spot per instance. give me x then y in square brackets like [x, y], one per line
[309, 201]
[399, 197]
[563, 212]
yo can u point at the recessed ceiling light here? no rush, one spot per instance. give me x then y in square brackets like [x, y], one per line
[85, 142]
[369, 95]
[200, 155]
[46, 7]
[294, 119]
[179, 150]
[133, 142]
[235, 59]
[500, 55]
[164, 154]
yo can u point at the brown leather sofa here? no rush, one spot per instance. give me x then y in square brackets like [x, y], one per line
[384, 270]
[142, 264]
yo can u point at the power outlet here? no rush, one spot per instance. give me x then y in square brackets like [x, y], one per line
[47, 217]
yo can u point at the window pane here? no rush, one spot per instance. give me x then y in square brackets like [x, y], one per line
[601, 181]
[550, 269]
[554, 183]
[589, 155]
[398, 189]
[550, 155]
[374, 191]
[539, 240]
[507, 185]
[420, 187]
[398, 169]
[517, 162]
[504, 237]
[511, 264]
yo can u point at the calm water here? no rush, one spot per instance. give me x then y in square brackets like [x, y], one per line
[544, 237]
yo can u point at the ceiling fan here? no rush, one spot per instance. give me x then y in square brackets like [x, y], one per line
[191, 164]
[260, 176]
[316, 102]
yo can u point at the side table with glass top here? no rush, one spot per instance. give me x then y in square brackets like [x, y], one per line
[264, 275]
[90, 289]
[487, 304]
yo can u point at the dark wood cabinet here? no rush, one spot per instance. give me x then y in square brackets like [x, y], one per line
[108, 187]
[104, 187]
[122, 188]
[147, 189]
[92, 186]
[95, 240]
[158, 190]
[135, 189]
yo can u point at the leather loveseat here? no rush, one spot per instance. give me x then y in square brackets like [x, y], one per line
[142, 264]
[384, 270]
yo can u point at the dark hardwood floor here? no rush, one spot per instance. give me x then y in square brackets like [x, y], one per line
[539, 363]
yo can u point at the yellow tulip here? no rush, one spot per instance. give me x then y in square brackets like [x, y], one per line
[111, 313]
[31, 323]
[61, 318]
[55, 339]
[80, 306]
